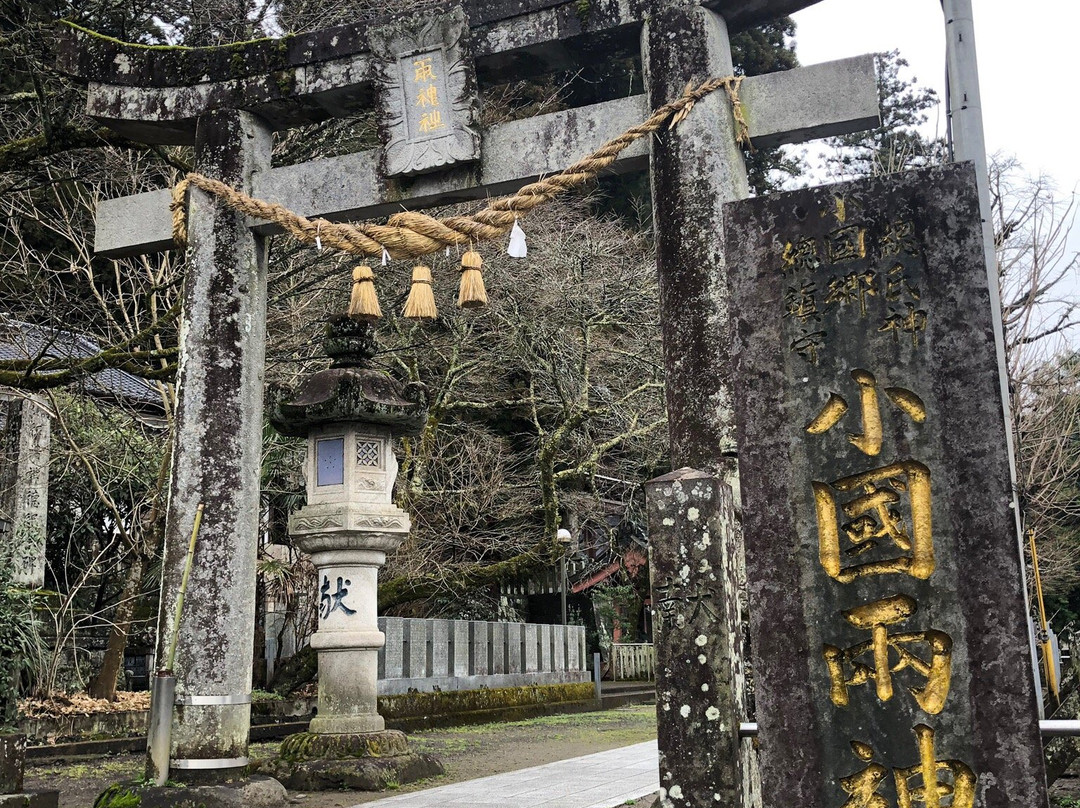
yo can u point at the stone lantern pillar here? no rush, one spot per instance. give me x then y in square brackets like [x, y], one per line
[349, 414]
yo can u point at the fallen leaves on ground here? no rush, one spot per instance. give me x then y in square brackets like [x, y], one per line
[82, 704]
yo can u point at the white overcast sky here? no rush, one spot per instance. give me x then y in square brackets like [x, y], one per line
[1027, 70]
[1027, 52]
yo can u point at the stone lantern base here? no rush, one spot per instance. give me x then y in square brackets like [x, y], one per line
[368, 761]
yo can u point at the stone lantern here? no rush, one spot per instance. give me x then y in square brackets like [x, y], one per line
[349, 414]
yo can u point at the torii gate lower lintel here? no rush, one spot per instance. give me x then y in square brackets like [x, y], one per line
[229, 112]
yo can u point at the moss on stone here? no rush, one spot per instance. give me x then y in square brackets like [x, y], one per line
[138, 46]
[314, 746]
[119, 796]
[284, 81]
[411, 705]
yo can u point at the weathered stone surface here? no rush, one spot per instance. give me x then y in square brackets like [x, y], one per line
[531, 648]
[698, 637]
[885, 587]
[256, 791]
[815, 101]
[12, 762]
[427, 84]
[349, 414]
[316, 746]
[361, 774]
[31, 799]
[219, 423]
[514, 23]
[696, 168]
[515, 651]
[416, 644]
[24, 487]
[351, 186]
[461, 646]
[392, 662]
[351, 391]
[744, 13]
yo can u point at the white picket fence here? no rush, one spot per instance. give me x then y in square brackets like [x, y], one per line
[634, 661]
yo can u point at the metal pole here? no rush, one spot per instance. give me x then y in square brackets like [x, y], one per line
[968, 142]
[1049, 728]
[562, 587]
[1048, 653]
[596, 674]
[159, 733]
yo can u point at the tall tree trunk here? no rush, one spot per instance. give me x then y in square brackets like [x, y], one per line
[258, 665]
[103, 685]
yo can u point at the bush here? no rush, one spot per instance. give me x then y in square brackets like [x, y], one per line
[20, 647]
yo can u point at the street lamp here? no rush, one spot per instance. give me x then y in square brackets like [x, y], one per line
[565, 539]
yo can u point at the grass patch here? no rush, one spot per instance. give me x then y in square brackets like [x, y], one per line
[598, 721]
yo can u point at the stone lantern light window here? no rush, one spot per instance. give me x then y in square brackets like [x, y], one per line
[330, 461]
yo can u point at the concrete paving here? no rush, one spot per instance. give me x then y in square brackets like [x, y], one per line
[603, 780]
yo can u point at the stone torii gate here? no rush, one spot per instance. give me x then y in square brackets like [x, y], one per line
[228, 101]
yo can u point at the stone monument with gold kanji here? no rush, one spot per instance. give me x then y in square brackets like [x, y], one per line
[892, 664]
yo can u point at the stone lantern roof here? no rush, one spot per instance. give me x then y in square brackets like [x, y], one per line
[350, 390]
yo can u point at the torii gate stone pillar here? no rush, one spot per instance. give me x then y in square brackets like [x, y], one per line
[226, 101]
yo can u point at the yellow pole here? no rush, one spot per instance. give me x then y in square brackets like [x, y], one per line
[1048, 651]
[171, 658]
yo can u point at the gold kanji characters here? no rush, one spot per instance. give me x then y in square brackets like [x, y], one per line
[930, 788]
[863, 785]
[913, 322]
[846, 244]
[869, 440]
[898, 237]
[800, 302]
[847, 670]
[428, 97]
[897, 284]
[872, 520]
[918, 785]
[800, 256]
[808, 345]
[855, 287]
[430, 121]
[423, 70]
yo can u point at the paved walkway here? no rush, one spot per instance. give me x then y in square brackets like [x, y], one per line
[604, 780]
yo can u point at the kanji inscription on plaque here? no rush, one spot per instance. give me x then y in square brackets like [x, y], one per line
[428, 92]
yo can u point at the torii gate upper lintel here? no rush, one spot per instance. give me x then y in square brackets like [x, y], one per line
[228, 101]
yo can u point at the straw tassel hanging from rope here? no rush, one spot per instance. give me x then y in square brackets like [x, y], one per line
[472, 294]
[421, 302]
[364, 302]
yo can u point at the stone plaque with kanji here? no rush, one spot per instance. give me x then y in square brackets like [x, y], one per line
[428, 91]
[892, 664]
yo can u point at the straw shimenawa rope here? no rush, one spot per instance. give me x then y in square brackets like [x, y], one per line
[410, 234]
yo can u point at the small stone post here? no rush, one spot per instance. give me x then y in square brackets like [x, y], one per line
[24, 486]
[12, 761]
[697, 635]
[349, 414]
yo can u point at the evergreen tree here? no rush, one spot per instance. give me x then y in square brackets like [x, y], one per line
[898, 144]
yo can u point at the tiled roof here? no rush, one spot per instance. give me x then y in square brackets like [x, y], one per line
[20, 340]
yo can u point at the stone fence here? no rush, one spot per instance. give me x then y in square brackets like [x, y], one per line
[427, 655]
